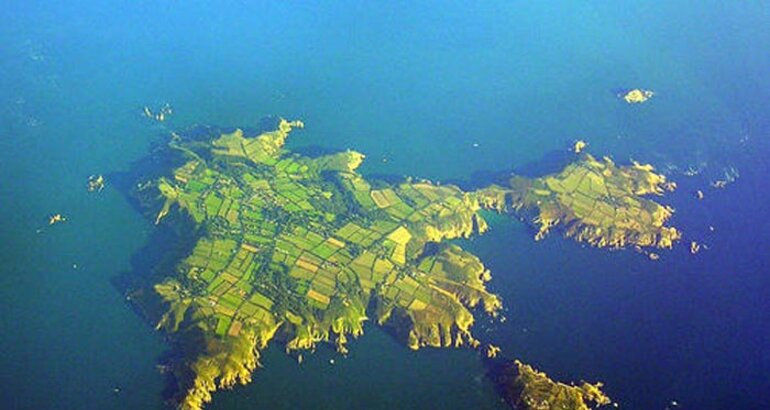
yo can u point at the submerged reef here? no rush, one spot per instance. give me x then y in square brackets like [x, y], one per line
[304, 250]
[525, 388]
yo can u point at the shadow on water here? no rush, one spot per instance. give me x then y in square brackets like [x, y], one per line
[552, 162]
[166, 245]
[380, 180]
[205, 133]
[502, 372]
[314, 151]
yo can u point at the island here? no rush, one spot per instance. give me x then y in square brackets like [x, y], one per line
[303, 249]
[95, 183]
[637, 96]
[579, 146]
[160, 115]
[55, 219]
[526, 388]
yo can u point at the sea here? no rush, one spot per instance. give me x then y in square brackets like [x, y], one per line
[445, 90]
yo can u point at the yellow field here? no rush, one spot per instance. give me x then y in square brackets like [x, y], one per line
[418, 305]
[400, 236]
[249, 248]
[336, 242]
[235, 328]
[304, 264]
[318, 297]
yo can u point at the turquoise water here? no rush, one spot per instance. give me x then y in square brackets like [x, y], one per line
[413, 87]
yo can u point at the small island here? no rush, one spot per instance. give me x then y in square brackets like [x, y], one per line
[526, 388]
[56, 219]
[303, 250]
[579, 146]
[637, 96]
[164, 112]
[95, 183]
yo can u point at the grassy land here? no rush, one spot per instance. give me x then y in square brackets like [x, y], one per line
[303, 245]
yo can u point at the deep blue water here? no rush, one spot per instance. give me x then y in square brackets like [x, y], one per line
[414, 87]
